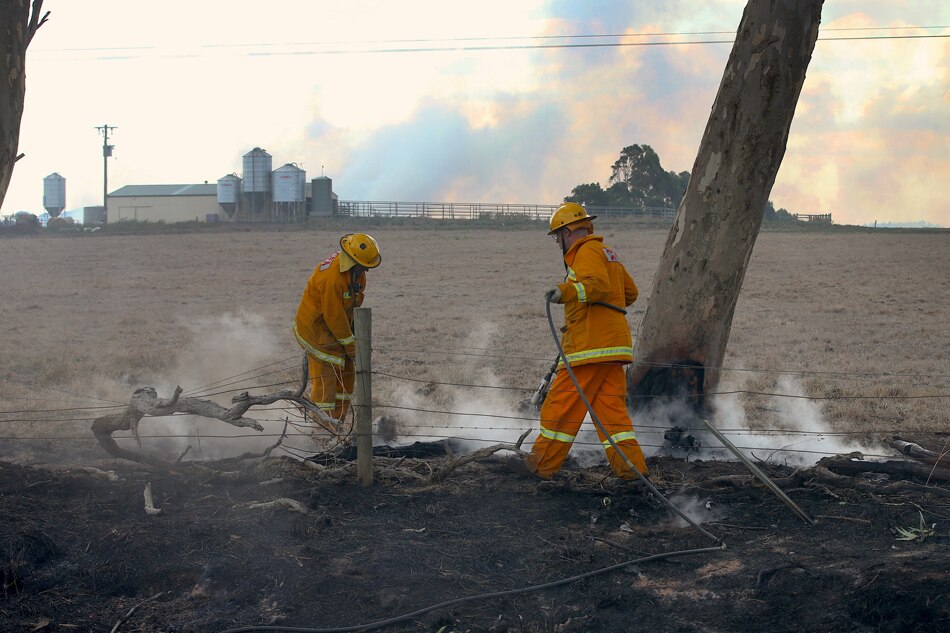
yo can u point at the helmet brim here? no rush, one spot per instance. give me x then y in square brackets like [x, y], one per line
[587, 219]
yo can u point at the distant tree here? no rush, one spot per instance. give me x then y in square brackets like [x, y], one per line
[591, 194]
[769, 214]
[645, 180]
[18, 25]
[637, 179]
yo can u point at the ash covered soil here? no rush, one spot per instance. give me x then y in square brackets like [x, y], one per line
[78, 551]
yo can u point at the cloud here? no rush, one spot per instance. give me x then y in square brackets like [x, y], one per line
[520, 125]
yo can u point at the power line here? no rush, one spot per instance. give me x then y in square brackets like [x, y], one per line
[496, 38]
[498, 47]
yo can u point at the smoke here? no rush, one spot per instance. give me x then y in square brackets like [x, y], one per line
[481, 416]
[698, 510]
[231, 345]
[791, 430]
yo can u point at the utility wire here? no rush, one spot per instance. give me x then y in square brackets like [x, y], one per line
[782, 449]
[76, 395]
[216, 384]
[804, 372]
[648, 396]
[500, 39]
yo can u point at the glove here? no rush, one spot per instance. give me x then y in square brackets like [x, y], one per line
[553, 295]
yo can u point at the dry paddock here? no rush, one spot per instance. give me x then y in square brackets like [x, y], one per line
[857, 318]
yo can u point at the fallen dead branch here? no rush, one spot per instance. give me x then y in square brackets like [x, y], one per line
[918, 452]
[150, 508]
[854, 465]
[132, 610]
[836, 517]
[282, 502]
[820, 474]
[146, 403]
[439, 475]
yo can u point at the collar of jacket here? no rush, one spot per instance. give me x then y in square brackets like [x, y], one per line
[572, 251]
[346, 262]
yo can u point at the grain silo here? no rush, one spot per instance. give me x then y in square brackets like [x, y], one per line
[289, 183]
[229, 193]
[321, 196]
[54, 194]
[257, 180]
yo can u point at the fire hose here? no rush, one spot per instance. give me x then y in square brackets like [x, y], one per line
[720, 544]
[599, 425]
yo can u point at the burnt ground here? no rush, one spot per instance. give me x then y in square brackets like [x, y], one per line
[78, 551]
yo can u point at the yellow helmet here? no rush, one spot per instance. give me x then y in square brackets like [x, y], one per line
[362, 248]
[568, 213]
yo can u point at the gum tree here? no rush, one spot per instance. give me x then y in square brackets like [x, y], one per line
[18, 24]
[682, 339]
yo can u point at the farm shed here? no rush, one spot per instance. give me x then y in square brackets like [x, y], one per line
[163, 203]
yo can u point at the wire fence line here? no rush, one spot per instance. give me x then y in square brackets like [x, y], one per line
[249, 380]
[577, 442]
[486, 210]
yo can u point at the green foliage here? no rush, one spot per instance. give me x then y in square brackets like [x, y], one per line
[919, 533]
[637, 179]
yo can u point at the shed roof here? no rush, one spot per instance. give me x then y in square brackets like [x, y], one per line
[129, 191]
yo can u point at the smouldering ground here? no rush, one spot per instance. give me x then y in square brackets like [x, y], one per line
[849, 313]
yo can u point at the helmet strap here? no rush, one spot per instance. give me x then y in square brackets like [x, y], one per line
[563, 242]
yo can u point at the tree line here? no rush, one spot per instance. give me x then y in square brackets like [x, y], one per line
[637, 179]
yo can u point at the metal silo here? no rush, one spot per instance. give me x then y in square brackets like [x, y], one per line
[229, 193]
[289, 184]
[54, 194]
[257, 178]
[321, 195]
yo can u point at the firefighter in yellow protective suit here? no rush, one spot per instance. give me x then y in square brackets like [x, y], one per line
[597, 343]
[324, 322]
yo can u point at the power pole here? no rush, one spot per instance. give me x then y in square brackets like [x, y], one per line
[106, 153]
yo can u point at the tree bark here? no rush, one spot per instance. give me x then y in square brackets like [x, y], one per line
[18, 24]
[686, 326]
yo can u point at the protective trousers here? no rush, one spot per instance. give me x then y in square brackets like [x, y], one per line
[563, 412]
[331, 385]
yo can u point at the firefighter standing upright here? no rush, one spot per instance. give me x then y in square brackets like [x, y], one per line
[597, 343]
[324, 323]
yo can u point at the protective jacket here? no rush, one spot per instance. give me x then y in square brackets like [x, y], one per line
[323, 325]
[594, 333]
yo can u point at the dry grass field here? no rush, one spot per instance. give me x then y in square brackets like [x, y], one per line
[856, 320]
[87, 318]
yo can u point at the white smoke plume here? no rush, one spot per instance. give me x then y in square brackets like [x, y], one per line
[698, 510]
[792, 430]
[481, 416]
[221, 347]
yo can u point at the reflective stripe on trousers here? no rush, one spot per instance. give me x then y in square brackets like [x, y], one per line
[563, 413]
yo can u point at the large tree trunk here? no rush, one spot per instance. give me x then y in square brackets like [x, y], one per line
[686, 326]
[17, 27]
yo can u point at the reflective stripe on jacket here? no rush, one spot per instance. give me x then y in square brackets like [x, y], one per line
[323, 325]
[595, 333]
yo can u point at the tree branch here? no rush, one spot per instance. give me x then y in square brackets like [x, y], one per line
[145, 402]
[35, 21]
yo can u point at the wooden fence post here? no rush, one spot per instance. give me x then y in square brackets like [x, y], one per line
[363, 394]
